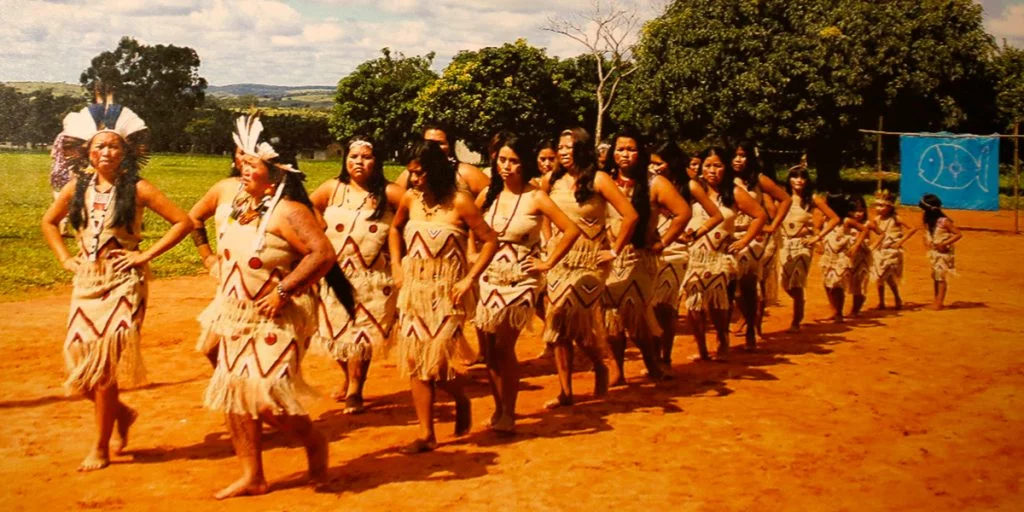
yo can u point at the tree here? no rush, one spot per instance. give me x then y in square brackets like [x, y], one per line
[210, 130]
[45, 115]
[608, 33]
[161, 83]
[498, 88]
[12, 113]
[1008, 71]
[807, 75]
[376, 100]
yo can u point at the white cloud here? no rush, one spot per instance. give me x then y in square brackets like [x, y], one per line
[1008, 24]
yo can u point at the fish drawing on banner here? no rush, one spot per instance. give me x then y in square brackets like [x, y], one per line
[951, 167]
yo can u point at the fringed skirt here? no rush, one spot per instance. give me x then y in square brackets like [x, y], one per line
[795, 259]
[628, 298]
[259, 358]
[836, 269]
[102, 344]
[344, 337]
[887, 263]
[860, 272]
[574, 288]
[707, 280]
[431, 344]
[943, 264]
[668, 284]
[507, 295]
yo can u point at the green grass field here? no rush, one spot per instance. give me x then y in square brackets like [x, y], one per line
[28, 267]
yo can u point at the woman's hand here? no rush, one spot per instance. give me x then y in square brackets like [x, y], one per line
[460, 289]
[811, 241]
[270, 304]
[533, 264]
[657, 247]
[127, 260]
[71, 264]
[606, 256]
[737, 246]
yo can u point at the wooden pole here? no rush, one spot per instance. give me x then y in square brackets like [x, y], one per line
[1016, 178]
[878, 155]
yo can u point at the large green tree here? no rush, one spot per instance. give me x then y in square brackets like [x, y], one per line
[376, 99]
[1008, 71]
[806, 75]
[161, 83]
[510, 87]
[12, 113]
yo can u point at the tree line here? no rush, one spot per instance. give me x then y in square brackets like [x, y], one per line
[796, 76]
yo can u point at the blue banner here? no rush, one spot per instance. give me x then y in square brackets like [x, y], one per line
[962, 171]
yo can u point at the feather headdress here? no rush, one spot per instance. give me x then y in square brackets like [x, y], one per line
[104, 116]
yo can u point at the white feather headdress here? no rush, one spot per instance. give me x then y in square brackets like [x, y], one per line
[103, 117]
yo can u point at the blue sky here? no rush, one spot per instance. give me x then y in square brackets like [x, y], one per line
[300, 42]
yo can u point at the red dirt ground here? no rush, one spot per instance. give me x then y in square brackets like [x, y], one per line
[916, 410]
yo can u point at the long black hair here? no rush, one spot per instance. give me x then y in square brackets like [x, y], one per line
[528, 166]
[727, 188]
[932, 206]
[641, 199]
[378, 184]
[583, 159]
[807, 196]
[753, 168]
[294, 190]
[124, 191]
[439, 171]
[677, 162]
[840, 203]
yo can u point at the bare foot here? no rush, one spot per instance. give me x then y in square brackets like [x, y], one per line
[341, 394]
[316, 457]
[700, 358]
[419, 446]
[125, 420]
[561, 401]
[93, 461]
[793, 329]
[354, 405]
[899, 305]
[245, 486]
[506, 425]
[463, 417]
[880, 307]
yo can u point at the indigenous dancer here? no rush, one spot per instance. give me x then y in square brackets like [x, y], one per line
[668, 160]
[435, 285]
[60, 175]
[104, 204]
[208, 206]
[469, 178]
[755, 264]
[628, 298]
[860, 271]
[712, 263]
[273, 252]
[798, 238]
[575, 285]
[357, 208]
[939, 240]
[511, 285]
[887, 253]
[547, 163]
[838, 252]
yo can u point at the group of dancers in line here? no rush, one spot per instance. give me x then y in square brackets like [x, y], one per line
[362, 264]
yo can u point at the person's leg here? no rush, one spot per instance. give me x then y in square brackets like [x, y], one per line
[507, 381]
[749, 307]
[123, 420]
[563, 362]
[423, 402]
[358, 368]
[246, 437]
[593, 352]
[302, 428]
[493, 373]
[881, 294]
[720, 319]
[463, 414]
[666, 316]
[617, 344]
[342, 392]
[894, 286]
[838, 297]
[697, 324]
[798, 308]
[105, 406]
[940, 294]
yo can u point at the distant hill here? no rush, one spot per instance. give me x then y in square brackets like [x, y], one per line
[58, 88]
[316, 97]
